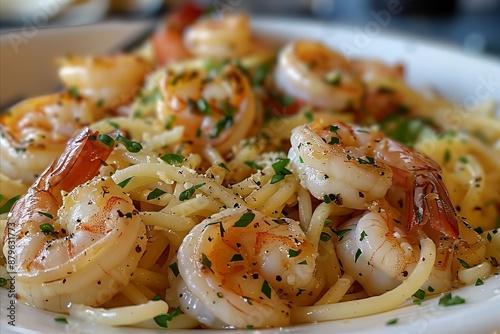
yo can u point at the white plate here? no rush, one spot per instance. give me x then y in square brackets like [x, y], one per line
[466, 79]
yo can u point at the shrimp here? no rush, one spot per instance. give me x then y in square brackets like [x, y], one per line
[168, 43]
[380, 254]
[237, 265]
[215, 110]
[63, 245]
[317, 75]
[228, 37]
[35, 131]
[383, 94]
[353, 167]
[108, 81]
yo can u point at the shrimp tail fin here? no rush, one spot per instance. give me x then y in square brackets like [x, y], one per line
[79, 162]
[431, 204]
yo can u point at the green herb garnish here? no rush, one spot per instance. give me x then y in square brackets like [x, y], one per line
[189, 192]
[448, 300]
[130, 145]
[245, 219]
[155, 194]
[172, 158]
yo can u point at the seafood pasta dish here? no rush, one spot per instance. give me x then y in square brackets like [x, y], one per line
[212, 180]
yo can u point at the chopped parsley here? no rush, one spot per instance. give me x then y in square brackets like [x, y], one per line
[172, 158]
[206, 261]
[363, 235]
[245, 219]
[367, 161]
[175, 269]
[447, 155]
[333, 129]
[7, 206]
[419, 294]
[130, 145]
[392, 322]
[334, 79]
[266, 289]
[479, 282]
[463, 263]
[478, 230]
[106, 140]
[225, 123]
[124, 182]
[334, 140]
[223, 165]
[489, 237]
[169, 122]
[292, 253]
[325, 237]
[46, 214]
[253, 165]
[189, 192]
[404, 129]
[74, 92]
[236, 257]
[260, 74]
[155, 194]
[46, 228]
[430, 289]
[309, 116]
[280, 170]
[340, 233]
[162, 320]
[448, 300]
[326, 199]
[358, 254]
[204, 107]
[113, 124]
[61, 320]
[3, 282]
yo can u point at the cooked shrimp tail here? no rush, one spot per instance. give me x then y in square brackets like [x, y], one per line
[431, 204]
[79, 162]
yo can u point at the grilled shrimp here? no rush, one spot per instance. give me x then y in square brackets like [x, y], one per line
[228, 37]
[318, 76]
[35, 131]
[383, 94]
[168, 42]
[65, 244]
[109, 81]
[235, 266]
[353, 166]
[380, 254]
[218, 110]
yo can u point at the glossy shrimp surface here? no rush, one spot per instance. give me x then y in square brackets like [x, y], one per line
[237, 265]
[35, 132]
[353, 166]
[317, 75]
[227, 37]
[109, 81]
[215, 110]
[379, 254]
[67, 229]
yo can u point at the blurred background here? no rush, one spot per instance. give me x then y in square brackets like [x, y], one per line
[472, 24]
[35, 32]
